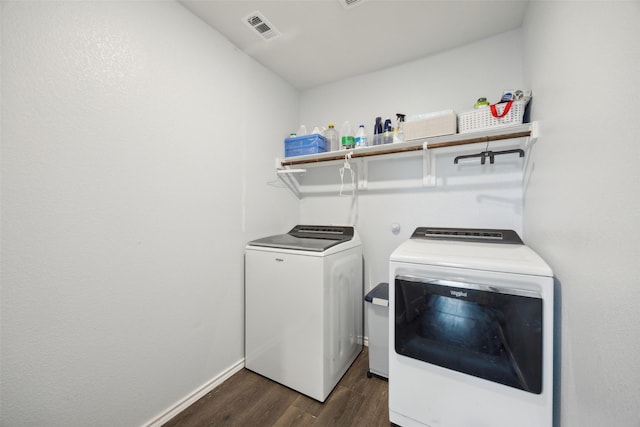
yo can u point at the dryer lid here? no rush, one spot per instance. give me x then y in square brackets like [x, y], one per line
[476, 235]
[466, 252]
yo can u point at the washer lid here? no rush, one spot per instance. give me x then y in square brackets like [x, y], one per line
[314, 238]
[513, 257]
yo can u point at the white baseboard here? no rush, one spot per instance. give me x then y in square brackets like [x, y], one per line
[184, 403]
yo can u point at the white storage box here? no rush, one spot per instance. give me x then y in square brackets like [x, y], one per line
[428, 125]
[482, 119]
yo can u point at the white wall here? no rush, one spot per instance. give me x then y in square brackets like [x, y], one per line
[582, 202]
[131, 131]
[451, 80]
[137, 144]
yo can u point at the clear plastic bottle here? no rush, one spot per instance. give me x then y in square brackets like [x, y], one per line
[333, 137]
[302, 130]
[361, 137]
[377, 131]
[347, 136]
[387, 136]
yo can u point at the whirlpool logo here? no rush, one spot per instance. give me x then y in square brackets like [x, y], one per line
[458, 294]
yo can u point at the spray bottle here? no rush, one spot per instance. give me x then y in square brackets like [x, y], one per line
[398, 134]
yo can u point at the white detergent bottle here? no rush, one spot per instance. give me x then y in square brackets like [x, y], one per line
[361, 137]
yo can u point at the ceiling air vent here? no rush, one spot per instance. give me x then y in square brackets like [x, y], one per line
[258, 23]
[350, 3]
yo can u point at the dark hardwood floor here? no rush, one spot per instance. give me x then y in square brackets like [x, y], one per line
[248, 399]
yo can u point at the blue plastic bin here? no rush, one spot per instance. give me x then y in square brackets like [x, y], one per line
[305, 144]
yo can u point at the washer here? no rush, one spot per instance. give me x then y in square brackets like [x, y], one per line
[470, 331]
[303, 306]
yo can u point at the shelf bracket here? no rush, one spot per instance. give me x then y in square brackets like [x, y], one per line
[363, 174]
[286, 176]
[428, 166]
[532, 139]
[535, 133]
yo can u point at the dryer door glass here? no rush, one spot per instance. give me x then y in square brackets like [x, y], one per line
[485, 331]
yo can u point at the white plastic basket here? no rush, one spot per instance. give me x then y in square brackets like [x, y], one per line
[481, 118]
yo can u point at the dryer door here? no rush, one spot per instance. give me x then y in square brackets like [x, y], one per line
[490, 332]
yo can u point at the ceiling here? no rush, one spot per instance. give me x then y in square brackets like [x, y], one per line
[322, 41]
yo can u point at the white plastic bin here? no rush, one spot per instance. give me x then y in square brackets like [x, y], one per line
[378, 324]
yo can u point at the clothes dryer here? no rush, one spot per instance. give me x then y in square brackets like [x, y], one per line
[471, 331]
